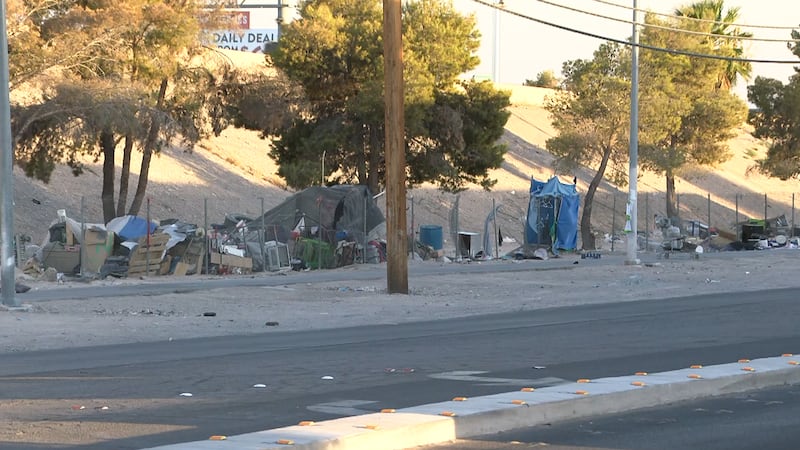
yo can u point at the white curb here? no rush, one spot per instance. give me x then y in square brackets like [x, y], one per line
[445, 421]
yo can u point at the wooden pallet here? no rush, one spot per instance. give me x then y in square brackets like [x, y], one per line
[142, 254]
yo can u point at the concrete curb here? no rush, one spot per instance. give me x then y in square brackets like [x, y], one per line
[462, 418]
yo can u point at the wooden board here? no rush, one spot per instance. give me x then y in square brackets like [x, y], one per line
[225, 260]
[142, 254]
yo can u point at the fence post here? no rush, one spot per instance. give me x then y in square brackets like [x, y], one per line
[262, 237]
[495, 238]
[458, 237]
[83, 237]
[646, 221]
[613, 219]
[208, 241]
[792, 214]
[709, 214]
[677, 204]
[736, 222]
[413, 228]
[765, 211]
[147, 254]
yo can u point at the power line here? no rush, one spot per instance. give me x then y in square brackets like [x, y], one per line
[627, 43]
[662, 27]
[715, 22]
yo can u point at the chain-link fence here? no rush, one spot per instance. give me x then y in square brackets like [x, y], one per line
[729, 217]
[326, 229]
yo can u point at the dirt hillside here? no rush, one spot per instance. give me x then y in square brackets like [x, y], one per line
[233, 174]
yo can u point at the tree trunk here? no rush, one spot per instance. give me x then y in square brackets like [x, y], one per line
[672, 198]
[125, 175]
[669, 174]
[587, 235]
[107, 146]
[147, 152]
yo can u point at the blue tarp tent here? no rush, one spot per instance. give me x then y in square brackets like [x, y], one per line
[552, 215]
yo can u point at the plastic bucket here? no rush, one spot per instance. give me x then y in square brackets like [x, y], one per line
[431, 235]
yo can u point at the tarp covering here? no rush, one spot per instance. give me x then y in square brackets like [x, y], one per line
[552, 215]
[130, 228]
[332, 214]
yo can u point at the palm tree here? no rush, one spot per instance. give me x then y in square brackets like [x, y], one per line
[730, 45]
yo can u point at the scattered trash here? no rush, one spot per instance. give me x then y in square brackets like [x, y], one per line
[709, 280]
[259, 386]
[539, 367]
[590, 255]
[78, 407]
[327, 377]
[102, 408]
[403, 370]
[271, 324]
[185, 394]
[358, 289]
[209, 314]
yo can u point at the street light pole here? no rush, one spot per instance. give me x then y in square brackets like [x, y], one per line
[496, 37]
[7, 285]
[280, 18]
[633, 170]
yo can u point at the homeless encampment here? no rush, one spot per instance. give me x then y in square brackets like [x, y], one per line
[319, 227]
[125, 246]
[552, 215]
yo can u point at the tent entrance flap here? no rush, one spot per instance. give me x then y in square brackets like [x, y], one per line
[552, 215]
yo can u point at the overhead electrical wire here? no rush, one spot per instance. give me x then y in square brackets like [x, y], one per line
[716, 22]
[628, 43]
[662, 27]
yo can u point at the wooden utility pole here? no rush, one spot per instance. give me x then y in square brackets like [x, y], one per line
[396, 233]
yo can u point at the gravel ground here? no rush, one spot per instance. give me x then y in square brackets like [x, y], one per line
[298, 305]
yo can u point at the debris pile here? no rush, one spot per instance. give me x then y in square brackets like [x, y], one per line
[320, 227]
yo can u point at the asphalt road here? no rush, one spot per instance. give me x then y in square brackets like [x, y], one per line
[766, 419]
[140, 384]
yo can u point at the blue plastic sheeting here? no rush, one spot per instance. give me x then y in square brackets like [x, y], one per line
[130, 228]
[553, 215]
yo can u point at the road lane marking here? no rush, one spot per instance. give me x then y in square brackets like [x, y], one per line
[472, 377]
[342, 407]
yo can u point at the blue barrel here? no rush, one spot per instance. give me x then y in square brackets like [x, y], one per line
[431, 235]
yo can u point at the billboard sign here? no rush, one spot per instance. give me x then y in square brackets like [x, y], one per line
[254, 41]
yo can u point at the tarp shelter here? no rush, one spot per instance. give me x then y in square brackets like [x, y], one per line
[327, 214]
[552, 215]
[334, 213]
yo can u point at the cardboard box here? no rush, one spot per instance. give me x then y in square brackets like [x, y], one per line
[65, 259]
[231, 261]
[98, 245]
